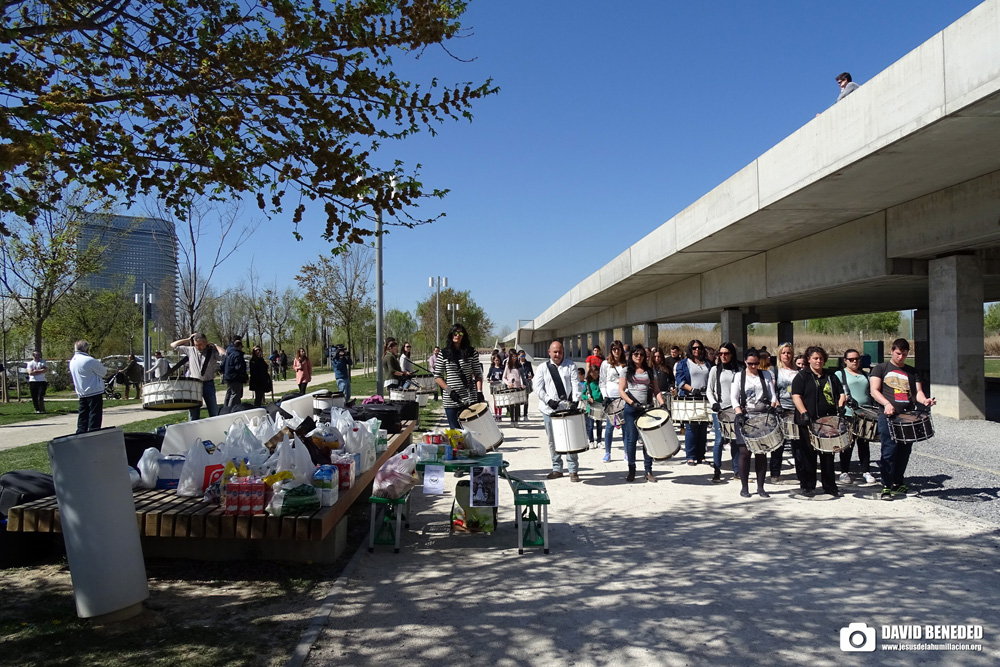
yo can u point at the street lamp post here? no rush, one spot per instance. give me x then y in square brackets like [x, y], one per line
[437, 307]
[453, 307]
[146, 299]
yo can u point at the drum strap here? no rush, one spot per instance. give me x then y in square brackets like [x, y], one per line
[207, 359]
[847, 387]
[743, 389]
[557, 381]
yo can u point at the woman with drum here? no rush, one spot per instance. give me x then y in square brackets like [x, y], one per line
[752, 393]
[720, 384]
[527, 375]
[495, 377]
[612, 370]
[459, 374]
[692, 380]
[260, 378]
[637, 387]
[392, 373]
[897, 388]
[784, 373]
[855, 383]
[816, 394]
[405, 359]
[512, 379]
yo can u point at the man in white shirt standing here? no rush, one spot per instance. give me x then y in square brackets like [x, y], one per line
[557, 389]
[203, 358]
[88, 381]
[36, 381]
[160, 367]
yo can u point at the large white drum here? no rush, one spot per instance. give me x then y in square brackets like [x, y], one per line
[424, 381]
[657, 433]
[478, 419]
[172, 394]
[423, 396]
[569, 431]
[397, 394]
[691, 409]
[334, 400]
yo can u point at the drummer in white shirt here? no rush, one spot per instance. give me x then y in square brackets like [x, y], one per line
[752, 392]
[720, 382]
[612, 370]
[552, 397]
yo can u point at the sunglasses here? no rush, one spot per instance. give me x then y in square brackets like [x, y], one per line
[696, 347]
[457, 333]
[723, 353]
[638, 354]
[751, 364]
[853, 359]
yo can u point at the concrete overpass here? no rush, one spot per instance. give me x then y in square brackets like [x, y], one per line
[888, 200]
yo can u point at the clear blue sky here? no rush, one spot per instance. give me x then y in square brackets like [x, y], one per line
[611, 118]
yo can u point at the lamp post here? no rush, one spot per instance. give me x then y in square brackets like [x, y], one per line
[146, 299]
[437, 307]
[453, 307]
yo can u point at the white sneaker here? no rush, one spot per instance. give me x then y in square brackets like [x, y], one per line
[869, 478]
[844, 478]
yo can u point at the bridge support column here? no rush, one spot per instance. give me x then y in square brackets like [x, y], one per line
[595, 341]
[955, 284]
[627, 335]
[920, 355]
[579, 341]
[786, 333]
[650, 335]
[609, 337]
[734, 329]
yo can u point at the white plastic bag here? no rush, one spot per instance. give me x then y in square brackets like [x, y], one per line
[294, 457]
[200, 469]
[149, 467]
[263, 429]
[239, 443]
[358, 443]
[395, 478]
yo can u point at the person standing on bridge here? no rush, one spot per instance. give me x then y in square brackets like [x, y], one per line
[847, 86]
[692, 380]
[896, 387]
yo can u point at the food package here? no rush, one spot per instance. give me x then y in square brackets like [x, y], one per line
[346, 468]
[326, 436]
[396, 477]
[326, 481]
[293, 500]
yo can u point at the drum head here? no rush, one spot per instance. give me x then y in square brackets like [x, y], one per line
[652, 419]
[473, 411]
[829, 427]
[727, 415]
[560, 414]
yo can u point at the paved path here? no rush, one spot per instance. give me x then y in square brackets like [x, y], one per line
[679, 572]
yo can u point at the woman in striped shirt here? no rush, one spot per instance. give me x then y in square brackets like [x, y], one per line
[459, 374]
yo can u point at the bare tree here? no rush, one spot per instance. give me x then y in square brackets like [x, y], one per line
[226, 315]
[41, 262]
[338, 287]
[201, 252]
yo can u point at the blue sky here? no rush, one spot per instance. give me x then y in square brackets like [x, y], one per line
[611, 118]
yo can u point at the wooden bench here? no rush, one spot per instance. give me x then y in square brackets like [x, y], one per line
[175, 526]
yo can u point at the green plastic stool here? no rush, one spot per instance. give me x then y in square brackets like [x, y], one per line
[395, 513]
[531, 507]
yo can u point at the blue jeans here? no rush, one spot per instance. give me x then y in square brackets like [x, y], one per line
[695, 437]
[344, 385]
[452, 415]
[609, 432]
[630, 434]
[573, 463]
[91, 413]
[211, 405]
[895, 455]
[720, 444]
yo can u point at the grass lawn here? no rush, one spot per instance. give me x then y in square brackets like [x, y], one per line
[992, 367]
[12, 413]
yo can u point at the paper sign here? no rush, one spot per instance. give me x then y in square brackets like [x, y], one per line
[483, 480]
[433, 480]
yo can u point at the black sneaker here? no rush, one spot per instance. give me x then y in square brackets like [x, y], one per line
[630, 477]
[886, 493]
[901, 490]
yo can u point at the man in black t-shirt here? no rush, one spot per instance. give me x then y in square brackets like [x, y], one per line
[896, 387]
[816, 394]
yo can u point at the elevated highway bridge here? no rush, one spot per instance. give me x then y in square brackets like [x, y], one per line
[889, 200]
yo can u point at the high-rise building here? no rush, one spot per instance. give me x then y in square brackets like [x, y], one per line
[136, 247]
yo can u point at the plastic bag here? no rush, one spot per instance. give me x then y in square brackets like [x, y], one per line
[395, 478]
[239, 443]
[134, 477]
[200, 469]
[358, 443]
[293, 499]
[293, 457]
[263, 428]
[149, 467]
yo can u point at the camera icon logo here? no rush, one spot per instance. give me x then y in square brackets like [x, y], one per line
[857, 637]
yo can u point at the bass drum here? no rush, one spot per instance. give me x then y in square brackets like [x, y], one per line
[172, 394]
[658, 435]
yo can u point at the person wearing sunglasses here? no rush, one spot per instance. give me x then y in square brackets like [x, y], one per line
[816, 393]
[459, 375]
[754, 392]
[612, 370]
[638, 387]
[784, 374]
[692, 380]
[856, 385]
[720, 384]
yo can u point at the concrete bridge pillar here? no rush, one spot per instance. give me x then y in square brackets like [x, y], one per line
[920, 355]
[955, 285]
[609, 337]
[786, 333]
[595, 340]
[650, 335]
[579, 342]
[627, 335]
[734, 329]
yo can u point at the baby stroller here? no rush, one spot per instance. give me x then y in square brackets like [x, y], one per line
[111, 385]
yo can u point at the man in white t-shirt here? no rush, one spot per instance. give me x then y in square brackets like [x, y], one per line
[37, 382]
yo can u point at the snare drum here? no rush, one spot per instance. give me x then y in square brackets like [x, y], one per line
[865, 424]
[690, 409]
[763, 433]
[397, 394]
[830, 434]
[615, 408]
[596, 410]
[911, 427]
[727, 417]
[172, 394]
[503, 396]
[425, 381]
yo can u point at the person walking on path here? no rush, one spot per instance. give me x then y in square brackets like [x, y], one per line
[133, 376]
[557, 389]
[303, 370]
[88, 381]
[260, 378]
[459, 375]
[283, 361]
[234, 373]
[37, 383]
[342, 370]
[202, 359]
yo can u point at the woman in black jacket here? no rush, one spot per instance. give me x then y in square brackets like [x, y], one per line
[260, 378]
